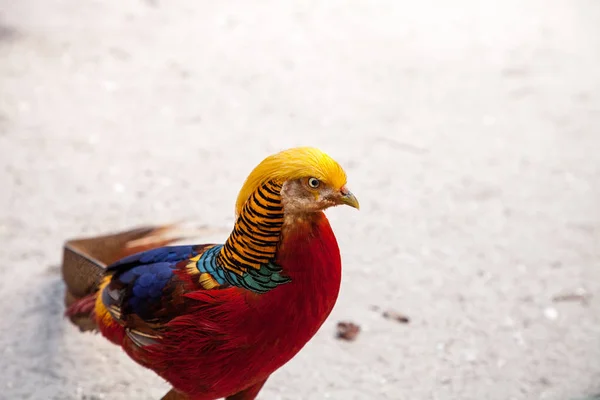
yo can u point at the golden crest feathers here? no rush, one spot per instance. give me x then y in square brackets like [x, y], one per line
[295, 163]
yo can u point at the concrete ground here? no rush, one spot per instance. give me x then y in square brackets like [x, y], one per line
[469, 130]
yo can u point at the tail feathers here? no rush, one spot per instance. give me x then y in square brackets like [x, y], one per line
[81, 311]
[84, 306]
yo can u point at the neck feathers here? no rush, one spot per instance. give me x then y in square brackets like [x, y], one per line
[256, 233]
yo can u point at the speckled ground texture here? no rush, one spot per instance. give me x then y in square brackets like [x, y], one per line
[470, 131]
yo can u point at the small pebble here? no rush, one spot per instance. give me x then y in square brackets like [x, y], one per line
[347, 331]
[396, 316]
[579, 295]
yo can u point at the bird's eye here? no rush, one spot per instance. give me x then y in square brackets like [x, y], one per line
[313, 183]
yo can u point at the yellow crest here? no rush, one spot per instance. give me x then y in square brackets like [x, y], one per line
[295, 163]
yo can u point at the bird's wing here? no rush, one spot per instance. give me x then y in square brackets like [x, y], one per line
[144, 291]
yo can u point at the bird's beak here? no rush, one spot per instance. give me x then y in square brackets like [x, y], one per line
[347, 198]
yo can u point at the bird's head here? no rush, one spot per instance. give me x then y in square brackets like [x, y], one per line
[312, 181]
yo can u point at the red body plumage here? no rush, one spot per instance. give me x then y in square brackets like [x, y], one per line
[233, 338]
[216, 320]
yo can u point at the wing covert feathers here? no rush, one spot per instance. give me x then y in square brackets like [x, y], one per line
[85, 260]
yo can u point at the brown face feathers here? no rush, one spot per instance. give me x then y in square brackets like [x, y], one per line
[307, 195]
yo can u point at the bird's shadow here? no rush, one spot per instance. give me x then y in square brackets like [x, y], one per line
[52, 358]
[40, 365]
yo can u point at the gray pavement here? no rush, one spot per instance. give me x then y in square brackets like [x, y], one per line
[469, 131]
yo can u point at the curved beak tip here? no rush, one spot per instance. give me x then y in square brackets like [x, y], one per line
[349, 199]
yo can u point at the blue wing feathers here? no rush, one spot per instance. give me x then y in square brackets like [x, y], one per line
[142, 278]
[162, 254]
[145, 285]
